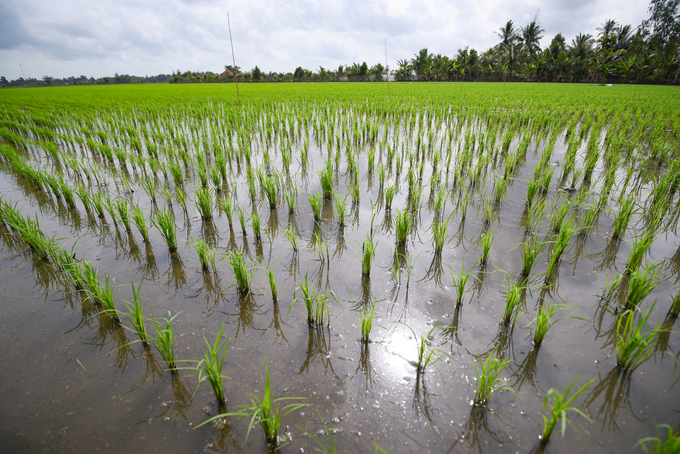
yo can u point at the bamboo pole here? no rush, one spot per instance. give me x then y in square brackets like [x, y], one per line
[234, 60]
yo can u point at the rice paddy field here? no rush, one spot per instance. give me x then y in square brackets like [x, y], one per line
[437, 268]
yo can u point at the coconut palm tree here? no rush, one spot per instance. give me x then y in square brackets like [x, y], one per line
[421, 61]
[508, 35]
[531, 36]
[581, 46]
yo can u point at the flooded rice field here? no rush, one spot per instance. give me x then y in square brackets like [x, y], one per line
[385, 259]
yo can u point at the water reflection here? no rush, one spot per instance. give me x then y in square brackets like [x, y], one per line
[247, 310]
[435, 270]
[176, 273]
[526, 373]
[605, 260]
[614, 392]
[152, 370]
[176, 408]
[365, 367]
[475, 431]
[450, 332]
[318, 347]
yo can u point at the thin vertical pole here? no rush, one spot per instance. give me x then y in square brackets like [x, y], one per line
[387, 68]
[234, 60]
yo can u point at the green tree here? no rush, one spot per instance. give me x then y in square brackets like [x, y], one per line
[257, 74]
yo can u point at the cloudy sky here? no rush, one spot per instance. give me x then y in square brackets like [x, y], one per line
[99, 38]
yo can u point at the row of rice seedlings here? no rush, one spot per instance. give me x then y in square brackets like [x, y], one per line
[164, 221]
[271, 275]
[211, 367]
[290, 235]
[206, 255]
[559, 246]
[531, 254]
[204, 203]
[440, 233]
[534, 215]
[241, 220]
[164, 341]
[341, 209]
[486, 241]
[315, 203]
[460, 282]
[633, 346]
[123, 212]
[314, 301]
[140, 221]
[623, 218]
[513, 301]
[265, 411]
[488, 379]
[367, 324]
[638, 250]
[544, 320]
[642, 284]
[225, 204]
[559, 404]
[135, 313]
[426, 356]
[242, 274]
[402, 226]
[291, 199]
[368, 253]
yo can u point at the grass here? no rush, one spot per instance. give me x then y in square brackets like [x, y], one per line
[271, 191]
[206, 255]
[257, 231]
[670, 445]
[242, 275]
[241, 220]
[544, 320]
[135, 313]
[271, 275]
[123, 211]
[460, 282]
[559, 404]
[107, 298]
[367, 324]
[674, 310]
[165, 339]
[623, 218]
[211, 366]
[140, 222]
[633, 346]
[637, 251]
[513, 301]
[486, 240]
[315, 303]
[368, 252]
[165, 224]
[641, 285]
[531, 254]
[326, 177]
[203, 199]
[315, 203]
[440, 233]
[402, 226]
[289, 233]
[489, 382]
[426, 356]
[341, 209]
[149, 185]
[226, 205]
[266, 411]
[560, 244]
[291, 199]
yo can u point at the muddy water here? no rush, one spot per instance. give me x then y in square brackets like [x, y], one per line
[73, 382]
